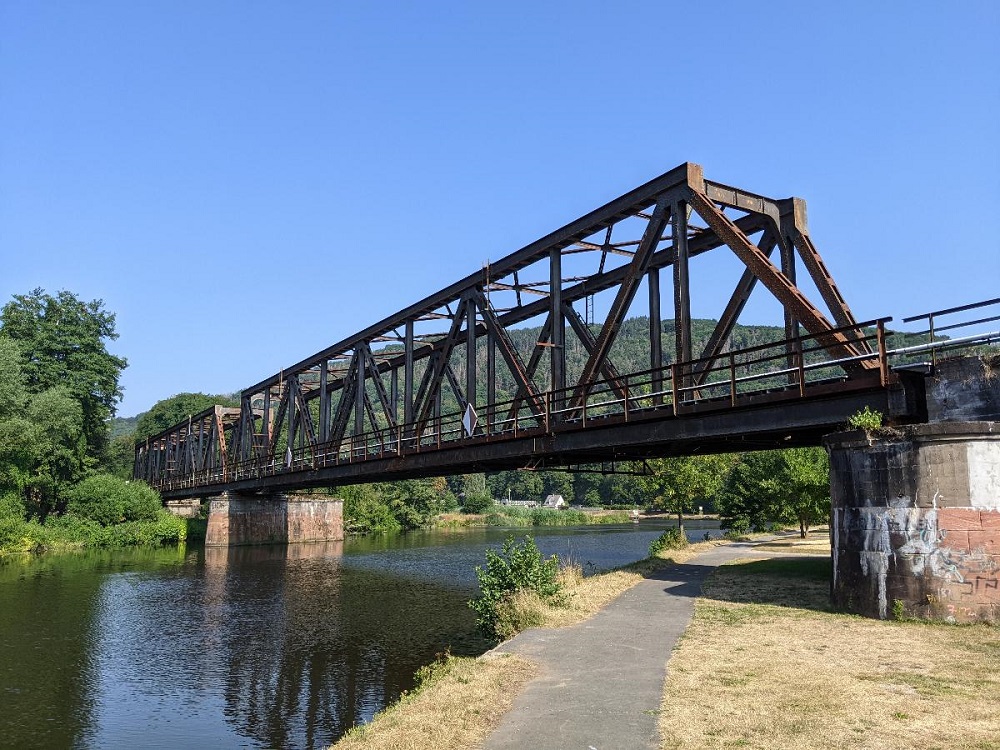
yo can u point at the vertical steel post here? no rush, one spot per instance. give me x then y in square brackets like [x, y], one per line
[788, 269]
[408, 374]
[359, 394]
[470, 351]
[324, 402]
[883, 358]
[491, 384]
[394, 394]
[655, 335]
[290, 441]
[682, 286]
[557, 336]
[265, 427]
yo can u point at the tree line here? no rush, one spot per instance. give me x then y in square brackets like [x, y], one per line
[63, 480]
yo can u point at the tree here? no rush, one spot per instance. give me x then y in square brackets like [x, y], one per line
[120, 456]
[789, 486]
[13, 392]
[676, 485]
[59, 444]
[808, 490]
[174, 410]
[62, 343]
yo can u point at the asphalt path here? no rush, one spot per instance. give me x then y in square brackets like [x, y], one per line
[601, 681]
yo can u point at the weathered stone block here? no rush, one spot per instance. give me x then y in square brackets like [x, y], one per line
[274, 519]
[913, 524]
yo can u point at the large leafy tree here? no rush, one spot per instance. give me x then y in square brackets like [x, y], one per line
[42, 446]
[174, 410]
[789, 486]
[61, 340]
[676, 485]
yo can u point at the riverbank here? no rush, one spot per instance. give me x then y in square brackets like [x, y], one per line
[69, 534]
[403, 724]
[789, 672]
[518, 517]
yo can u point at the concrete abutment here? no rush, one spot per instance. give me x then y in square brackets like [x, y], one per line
[238, 519]
[915, 526]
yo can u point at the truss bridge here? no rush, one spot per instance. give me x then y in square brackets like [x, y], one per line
[477, 377]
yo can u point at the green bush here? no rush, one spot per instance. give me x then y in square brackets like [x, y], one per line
[111, 500]
[476, 501]
[167, 529]
[517, 567]
[17, 535]
[866, 419]
[669, 539]
[12, 506]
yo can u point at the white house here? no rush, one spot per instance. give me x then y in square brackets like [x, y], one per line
[554, 501]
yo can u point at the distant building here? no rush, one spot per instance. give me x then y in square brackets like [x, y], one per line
[554, 501]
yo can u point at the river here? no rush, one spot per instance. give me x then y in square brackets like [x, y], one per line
[247, 647]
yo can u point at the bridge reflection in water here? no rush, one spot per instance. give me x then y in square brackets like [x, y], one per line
[444, 386]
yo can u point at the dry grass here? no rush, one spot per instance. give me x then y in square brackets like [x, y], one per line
[584, 597]
[456, 708]
[765, 665]
[817, 543]
[464, 700]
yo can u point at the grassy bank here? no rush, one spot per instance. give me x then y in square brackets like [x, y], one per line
[465, 699]
[766, 664]
[102, 511]
[517, 517]
[458, 702]
[69, 533]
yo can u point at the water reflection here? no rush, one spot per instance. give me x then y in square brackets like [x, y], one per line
[243, 647]
[278, 645]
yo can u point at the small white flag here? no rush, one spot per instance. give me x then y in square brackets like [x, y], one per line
[288, 458]
[470, 420]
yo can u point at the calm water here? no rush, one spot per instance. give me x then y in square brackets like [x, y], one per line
[249, 647]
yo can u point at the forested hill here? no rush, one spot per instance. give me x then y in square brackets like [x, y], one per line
[630, 352]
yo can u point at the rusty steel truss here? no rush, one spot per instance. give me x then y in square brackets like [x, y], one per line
[427, 376]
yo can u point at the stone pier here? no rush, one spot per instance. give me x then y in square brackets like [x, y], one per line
[188, 507]
[915, 525]
[235, 519]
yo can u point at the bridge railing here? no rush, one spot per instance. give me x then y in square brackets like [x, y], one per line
[976, 325]
[776, 371]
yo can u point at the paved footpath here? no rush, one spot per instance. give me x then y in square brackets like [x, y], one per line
[601, 681]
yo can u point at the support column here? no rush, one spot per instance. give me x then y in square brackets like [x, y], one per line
[915, 526]
[235, 519]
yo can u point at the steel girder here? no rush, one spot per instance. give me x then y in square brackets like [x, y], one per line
[397, 376]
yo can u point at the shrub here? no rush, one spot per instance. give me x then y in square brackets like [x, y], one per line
[866, 419]
[476, 501]
[516, 612]
[12, 506]
[109, 500]
[669, 539]
[166, 529]
[17, 535]
[517, 567]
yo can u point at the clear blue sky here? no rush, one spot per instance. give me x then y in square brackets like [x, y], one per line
[244, 183]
